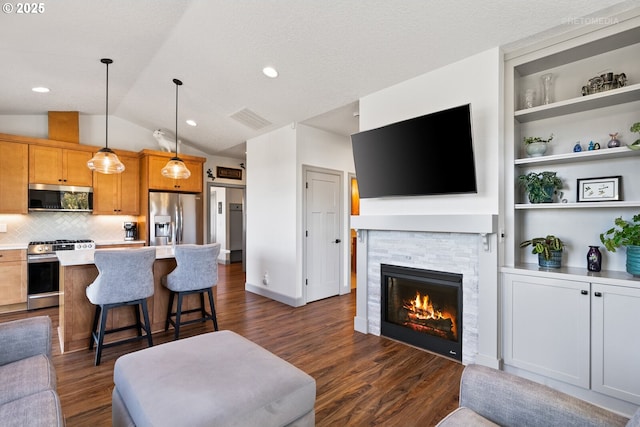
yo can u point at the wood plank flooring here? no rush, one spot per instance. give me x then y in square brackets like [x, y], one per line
[362, 380]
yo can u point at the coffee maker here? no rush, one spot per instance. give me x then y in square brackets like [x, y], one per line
[130, 230]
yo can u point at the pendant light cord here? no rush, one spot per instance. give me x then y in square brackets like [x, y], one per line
[106, 61]
[178, 83]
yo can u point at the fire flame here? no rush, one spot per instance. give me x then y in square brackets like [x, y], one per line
[421, 308]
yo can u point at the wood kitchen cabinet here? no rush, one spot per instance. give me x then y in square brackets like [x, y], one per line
[118, 194]
[13, 271]
[157, 182]
[14, 177]
[54, 165]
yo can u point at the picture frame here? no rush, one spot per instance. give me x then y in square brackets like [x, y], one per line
[229, 173]
[602, 189]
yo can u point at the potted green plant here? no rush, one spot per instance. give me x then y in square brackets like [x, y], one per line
[540, 186]
[549, 250]
[536, 146]
[635, 128]
[625, 233]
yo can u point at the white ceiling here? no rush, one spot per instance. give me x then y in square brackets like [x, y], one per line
[329, 54]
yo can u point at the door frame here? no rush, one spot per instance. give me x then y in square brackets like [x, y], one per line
[244, 215]
[340, 175]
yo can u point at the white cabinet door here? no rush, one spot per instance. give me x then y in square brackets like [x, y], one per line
[547, 327]
[616, 341]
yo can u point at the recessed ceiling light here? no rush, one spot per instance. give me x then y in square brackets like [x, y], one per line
[270, 72]
[40, 89]
[192, 122]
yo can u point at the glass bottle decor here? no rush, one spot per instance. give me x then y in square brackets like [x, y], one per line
[547, 79]
[594, 259]
[614, 141]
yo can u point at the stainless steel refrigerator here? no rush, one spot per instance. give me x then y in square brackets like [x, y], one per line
[174, 218]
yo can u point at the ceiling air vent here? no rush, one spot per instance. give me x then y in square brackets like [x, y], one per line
[250, 119]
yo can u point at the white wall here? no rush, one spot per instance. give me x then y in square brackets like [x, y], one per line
[271, 203]
[275, 201]
[475, 80]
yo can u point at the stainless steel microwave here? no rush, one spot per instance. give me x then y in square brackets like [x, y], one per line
[46, 197]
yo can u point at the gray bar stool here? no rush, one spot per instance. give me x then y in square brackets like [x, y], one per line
[125, 277]
[196, 273]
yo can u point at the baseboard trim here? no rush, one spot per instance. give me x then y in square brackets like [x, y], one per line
[260, 290]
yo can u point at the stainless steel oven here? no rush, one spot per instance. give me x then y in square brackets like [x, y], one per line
[43, 270]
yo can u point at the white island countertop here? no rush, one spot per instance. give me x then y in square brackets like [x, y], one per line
[84, 257]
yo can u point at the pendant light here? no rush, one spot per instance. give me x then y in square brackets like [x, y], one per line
[176, 169]
[105, 160]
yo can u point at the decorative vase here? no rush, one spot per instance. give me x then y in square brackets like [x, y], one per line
[548, 191]
[613, 142]
[547, 97]
[554, 261]
[633, 260]
[594, 259]
[536, 149]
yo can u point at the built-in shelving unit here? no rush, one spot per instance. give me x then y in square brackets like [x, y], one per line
[573, 357]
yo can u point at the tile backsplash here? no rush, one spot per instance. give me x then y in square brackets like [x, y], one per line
[62, 225]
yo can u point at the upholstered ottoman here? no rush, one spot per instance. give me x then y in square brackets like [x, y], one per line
[214, 379]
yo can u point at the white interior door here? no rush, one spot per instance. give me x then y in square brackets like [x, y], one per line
[323, 235]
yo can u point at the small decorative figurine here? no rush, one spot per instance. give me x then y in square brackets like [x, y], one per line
[596, 146]
[613, 142]
[577, 148]
[591, 146]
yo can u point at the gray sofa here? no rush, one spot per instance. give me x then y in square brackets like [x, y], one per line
[27, 377]
[489, 397]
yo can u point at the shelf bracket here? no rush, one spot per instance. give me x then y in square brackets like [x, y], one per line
[485, 242]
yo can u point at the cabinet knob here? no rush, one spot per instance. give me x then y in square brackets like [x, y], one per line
[598, 294]
[583, 292]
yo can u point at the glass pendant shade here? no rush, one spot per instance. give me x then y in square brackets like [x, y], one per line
[105, 160]
[175, 168]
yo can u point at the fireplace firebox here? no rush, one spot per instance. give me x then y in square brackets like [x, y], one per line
[422, 308]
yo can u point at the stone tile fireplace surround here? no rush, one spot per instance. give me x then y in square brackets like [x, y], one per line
[464, 244]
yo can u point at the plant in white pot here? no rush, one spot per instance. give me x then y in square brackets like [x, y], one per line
[540, 186]
[635, 128]
[536, 146]
[625, 233]
[549, 250]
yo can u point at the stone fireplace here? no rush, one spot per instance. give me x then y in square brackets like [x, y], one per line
[462, 245]
[422, 308]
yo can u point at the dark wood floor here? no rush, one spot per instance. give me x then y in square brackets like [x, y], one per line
[362, 380]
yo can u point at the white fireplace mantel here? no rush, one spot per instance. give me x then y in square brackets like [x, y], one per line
[462, 223]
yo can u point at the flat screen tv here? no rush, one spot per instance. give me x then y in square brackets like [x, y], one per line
[427, 155]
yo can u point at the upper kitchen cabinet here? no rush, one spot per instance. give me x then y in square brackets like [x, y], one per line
[14, 177]
[153, 162]
[118, 194]
[64, 166]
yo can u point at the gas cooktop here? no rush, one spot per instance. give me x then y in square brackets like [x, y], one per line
[50, 246]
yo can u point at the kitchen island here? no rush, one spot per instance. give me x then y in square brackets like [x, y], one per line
[77, 271]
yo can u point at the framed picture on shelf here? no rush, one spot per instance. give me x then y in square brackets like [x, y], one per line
[604, 189]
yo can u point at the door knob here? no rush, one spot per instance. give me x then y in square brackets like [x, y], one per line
[337, 241]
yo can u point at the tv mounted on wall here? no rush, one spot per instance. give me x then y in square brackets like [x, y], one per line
[427, 155]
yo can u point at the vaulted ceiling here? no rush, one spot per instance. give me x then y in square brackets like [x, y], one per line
[328, 53]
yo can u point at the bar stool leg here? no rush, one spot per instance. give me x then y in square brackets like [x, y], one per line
[203, 312]
[147, 325]
[138, 324]
[169, 314]
[103, 323]
[94, 328]
[213, 309]
[178, 313]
